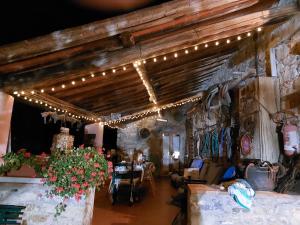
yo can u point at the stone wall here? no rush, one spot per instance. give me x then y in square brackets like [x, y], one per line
[129, 138]
[40, 210]
[288, 69]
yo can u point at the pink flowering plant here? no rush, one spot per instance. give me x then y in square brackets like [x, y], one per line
[73, 174]
[69, 175]
[14, 161]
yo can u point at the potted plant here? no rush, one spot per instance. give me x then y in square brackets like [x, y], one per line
[69, 175]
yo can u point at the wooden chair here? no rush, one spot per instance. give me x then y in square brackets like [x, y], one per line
[11, 214]
[149, 177]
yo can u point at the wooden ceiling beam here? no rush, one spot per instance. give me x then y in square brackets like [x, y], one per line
[92, 85]
[107, 91]
[58, 103]
[106, 99]
[164, 44]
[128, 106]
[168, 16]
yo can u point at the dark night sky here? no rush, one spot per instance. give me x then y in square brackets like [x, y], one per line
[24, 19]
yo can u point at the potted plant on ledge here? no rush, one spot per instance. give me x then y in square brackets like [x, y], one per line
[69, 174]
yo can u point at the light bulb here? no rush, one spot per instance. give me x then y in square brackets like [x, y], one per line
[217, 43]
[103, 74]
[113, 70]
[124, 68]
[42, 90]
[144, 61]
[22, 92]
[92, 75]
[15, 92]
[83, 79]
[175, 55]
[196, 48]
[248, 34]
[165, 58]
[32, 92]
[239, 38]
[154, 60]
[206, 45]
[63, 86]
[228, 41]
[53, 89]
[186, 51]
[73, 82]
[259, 29]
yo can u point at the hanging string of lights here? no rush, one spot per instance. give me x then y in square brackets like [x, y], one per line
[26, 95]
[138, 63]
[141, 71]
[155, 109]
[52, 106]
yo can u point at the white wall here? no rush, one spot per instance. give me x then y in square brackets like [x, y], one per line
[97, 129]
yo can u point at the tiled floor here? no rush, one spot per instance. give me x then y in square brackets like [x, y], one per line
[150, 211]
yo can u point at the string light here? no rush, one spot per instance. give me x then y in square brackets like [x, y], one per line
[114, 70]
[176, 54]
[156, 109]
[146, 83]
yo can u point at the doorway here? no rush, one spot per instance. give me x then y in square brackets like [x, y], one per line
[171, 153]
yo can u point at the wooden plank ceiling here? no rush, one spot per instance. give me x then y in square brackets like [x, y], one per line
[73, 61]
